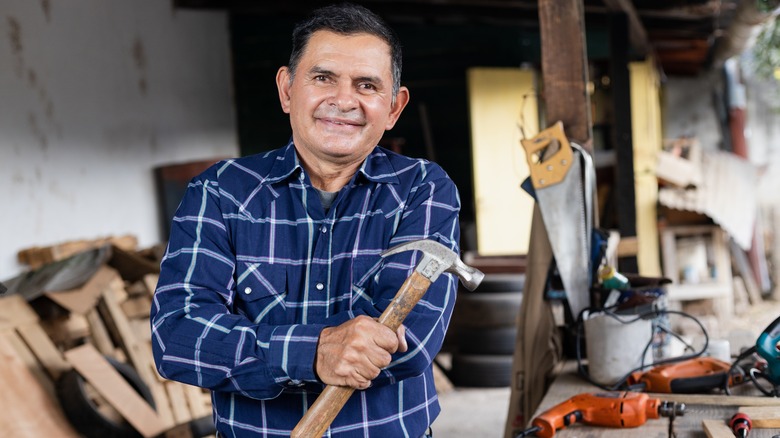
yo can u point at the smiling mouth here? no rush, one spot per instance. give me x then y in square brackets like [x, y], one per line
[345, 123]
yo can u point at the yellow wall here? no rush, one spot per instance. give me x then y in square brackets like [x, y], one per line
[648, 139]
[497, 98]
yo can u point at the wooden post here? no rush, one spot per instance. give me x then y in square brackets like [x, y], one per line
[565, 79]
[624, 146]
[565, 67]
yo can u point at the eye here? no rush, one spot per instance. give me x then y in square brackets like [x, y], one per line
[367, 86]
[320, 78]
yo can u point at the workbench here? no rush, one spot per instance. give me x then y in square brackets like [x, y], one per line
[715, 407]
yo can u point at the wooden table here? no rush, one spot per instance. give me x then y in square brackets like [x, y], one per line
[715, 408]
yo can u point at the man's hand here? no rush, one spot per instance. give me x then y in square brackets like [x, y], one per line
[353, 353]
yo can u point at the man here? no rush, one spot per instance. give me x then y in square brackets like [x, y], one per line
[273, 276]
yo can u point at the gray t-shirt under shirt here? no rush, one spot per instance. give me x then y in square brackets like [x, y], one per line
[326, 198]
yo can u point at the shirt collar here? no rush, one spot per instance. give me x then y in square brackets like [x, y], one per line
[376, 167]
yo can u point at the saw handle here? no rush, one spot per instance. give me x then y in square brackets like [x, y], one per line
[548, 170]
[324, 410]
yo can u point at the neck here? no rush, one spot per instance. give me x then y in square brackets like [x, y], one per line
[329, 176]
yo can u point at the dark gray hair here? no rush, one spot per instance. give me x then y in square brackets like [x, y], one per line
[346, 19]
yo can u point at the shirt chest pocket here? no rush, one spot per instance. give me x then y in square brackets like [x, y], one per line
[261, 291]
[364, 269]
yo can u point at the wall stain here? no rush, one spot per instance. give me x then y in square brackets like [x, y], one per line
[139, 58]
[37, 132]
[32, 78]
[15, 39]
[46, 6]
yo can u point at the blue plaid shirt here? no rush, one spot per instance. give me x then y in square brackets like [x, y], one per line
[255, 269]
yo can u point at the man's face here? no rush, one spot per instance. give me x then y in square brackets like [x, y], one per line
[341, 98]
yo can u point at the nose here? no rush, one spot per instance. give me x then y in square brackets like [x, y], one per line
[344, 97]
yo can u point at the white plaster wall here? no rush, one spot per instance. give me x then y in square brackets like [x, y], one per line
[93, 95]
[688, 109]
[763, 136]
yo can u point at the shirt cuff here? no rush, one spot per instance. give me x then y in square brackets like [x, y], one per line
[292, 352]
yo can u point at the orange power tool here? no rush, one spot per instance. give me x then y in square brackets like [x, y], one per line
[610, 409]
[693, 376]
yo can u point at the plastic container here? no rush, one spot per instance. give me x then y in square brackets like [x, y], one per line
[615, 348]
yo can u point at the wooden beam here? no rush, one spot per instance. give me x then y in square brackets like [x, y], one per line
[565, 67]
[637, 32]
[115, 389]
[565, 79]
[624, 185]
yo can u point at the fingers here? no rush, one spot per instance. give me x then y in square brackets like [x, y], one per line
[354, 353]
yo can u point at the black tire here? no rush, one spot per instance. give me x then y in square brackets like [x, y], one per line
[82, 412]
[487, 309]
[499, 340]
[202, 427]
[484, 371]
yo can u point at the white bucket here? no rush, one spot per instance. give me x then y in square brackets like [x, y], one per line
[615, 348]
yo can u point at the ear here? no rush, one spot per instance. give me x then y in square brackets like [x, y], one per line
[283, 86]
[401, 99]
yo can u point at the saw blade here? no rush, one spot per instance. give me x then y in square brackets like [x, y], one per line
[559, 182]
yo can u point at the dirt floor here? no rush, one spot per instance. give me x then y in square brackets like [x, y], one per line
[481, 412]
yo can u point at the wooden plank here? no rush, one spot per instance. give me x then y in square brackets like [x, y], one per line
[142, 329]
[180, 431]
[117, 392]
[716, 429]
[198, 400]
[627, 246]
[137, 307]
[99, 335]
[763, 417]
[28, 410]
[138, 352]
[127, 337]
[15, 311]
[83, 299]
[742, 264]
[44, 350]
[150, 280]
[38, 256]
[163, 404]
[28, 358]
[181, 411]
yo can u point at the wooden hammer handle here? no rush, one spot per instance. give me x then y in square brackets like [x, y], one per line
[324, 410]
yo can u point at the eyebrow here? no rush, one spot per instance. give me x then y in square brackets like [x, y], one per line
[321, 71]
[317, 70]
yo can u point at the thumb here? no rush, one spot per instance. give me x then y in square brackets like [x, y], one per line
[401, 333]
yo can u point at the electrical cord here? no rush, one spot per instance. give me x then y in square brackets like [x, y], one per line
[621, 383]
[735, 366]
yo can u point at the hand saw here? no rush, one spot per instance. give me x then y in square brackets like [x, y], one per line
[563, 178]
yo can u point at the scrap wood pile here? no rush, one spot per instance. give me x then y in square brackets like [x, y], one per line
[75, 341]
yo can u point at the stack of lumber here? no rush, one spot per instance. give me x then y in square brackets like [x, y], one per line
[91, 335]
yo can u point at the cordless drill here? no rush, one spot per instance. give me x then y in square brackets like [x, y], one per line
[610, 409]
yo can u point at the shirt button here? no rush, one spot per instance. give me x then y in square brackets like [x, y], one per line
[319, 286]
[324, 229]
[248, 290]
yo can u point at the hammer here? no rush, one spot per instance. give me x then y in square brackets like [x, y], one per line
[437, 259]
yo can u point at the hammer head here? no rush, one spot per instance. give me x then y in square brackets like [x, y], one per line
[437, 258]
